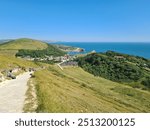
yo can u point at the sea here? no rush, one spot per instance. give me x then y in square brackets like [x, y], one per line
[131, 48]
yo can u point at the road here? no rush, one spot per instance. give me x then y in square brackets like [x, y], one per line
[12, 94]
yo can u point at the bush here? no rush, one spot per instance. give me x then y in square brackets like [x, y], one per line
[110, 68]
[50, 50]
[146, 82]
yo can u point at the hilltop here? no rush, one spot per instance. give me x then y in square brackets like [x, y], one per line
[29, 47]
[4, 40]
[23, 43]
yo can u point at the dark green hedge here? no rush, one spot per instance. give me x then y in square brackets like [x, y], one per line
[50, 50]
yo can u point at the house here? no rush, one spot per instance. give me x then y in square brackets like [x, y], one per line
[69, 63]
[29, 58]
[119, 57]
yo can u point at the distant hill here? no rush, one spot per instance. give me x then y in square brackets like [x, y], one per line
[23, 43]
[49, 51]
[29, 47]
[4, 40]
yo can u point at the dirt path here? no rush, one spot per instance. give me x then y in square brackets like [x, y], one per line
[12, 93]
[59, 65]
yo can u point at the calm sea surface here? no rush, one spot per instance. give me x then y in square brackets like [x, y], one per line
[138, 49]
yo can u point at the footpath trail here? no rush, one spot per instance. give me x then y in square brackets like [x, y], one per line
[12, 94]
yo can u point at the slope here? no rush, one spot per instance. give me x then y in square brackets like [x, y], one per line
[74, 90]
[123, 68]
[7, 62]
[23, 43]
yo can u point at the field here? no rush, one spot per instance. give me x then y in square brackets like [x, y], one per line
[8, 52]
[74, 90]
[9, 62]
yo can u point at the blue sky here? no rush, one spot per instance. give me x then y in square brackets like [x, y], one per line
[76, 20]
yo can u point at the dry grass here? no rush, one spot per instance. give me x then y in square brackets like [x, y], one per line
[23, 43]
[8, 52]
[74, 90]
[7, 61]
[30, 104]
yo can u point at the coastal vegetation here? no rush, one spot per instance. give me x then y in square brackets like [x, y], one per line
[118, 67]
[64, 47]
[68, 48]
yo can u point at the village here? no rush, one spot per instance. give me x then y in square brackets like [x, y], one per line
[64, 58]
[61, 61]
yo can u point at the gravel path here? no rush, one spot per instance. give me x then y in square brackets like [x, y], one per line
[12, 94]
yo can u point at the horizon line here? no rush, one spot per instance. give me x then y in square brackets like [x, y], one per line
[77, 41]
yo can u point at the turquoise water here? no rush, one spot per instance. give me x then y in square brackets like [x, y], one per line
[137, 49]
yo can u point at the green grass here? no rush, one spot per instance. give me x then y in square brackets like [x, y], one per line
[74, 90]
[23, 43]
[9, 62]
[8, 52]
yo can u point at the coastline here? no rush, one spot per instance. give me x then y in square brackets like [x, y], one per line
[139, 49]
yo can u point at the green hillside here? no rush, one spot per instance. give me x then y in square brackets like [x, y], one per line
[28, 47]
[49, 51]
[75, 90]
[23, 43]
[8, 62]
[131, 70]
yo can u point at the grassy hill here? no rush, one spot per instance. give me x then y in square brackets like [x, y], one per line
[29, 47]
[23, 43]
[4, 40]
[7, 62]
[8, 52]
[49, 51]
[75, 90]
